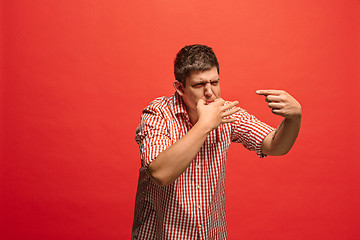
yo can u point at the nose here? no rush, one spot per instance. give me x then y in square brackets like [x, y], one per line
[207, 90]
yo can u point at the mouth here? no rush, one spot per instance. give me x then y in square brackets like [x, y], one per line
[208, 102]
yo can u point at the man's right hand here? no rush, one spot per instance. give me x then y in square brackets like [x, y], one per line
[174, 160]
[213, 114]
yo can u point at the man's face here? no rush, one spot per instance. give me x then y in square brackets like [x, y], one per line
[200, 85]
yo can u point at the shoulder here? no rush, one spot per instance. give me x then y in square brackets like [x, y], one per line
[242, 116]
[162, 107]
[158, 105]
[160, 102]
[242, 111]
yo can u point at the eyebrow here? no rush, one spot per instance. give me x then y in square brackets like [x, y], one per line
[204, 81]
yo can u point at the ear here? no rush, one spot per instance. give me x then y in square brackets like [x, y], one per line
[179, 88]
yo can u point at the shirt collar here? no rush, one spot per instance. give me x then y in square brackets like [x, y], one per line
[179, 105]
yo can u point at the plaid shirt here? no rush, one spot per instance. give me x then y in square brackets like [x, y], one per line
[193, 206]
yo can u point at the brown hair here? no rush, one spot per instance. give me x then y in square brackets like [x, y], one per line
[193, 58]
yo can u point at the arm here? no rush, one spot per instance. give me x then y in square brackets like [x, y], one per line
[280, 141]
[174, 160]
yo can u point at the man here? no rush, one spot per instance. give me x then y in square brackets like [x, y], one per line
[184, 140]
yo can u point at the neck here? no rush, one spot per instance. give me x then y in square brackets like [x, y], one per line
[193, 116]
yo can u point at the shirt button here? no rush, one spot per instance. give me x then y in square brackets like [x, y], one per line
[197, 166]
[199, 206]
[198, 186]
[199, 225]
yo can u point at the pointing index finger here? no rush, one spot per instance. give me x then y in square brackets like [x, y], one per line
[268, 92]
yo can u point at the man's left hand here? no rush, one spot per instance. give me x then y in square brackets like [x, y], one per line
[281, 103]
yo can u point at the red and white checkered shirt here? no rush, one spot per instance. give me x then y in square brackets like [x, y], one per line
[193, 206]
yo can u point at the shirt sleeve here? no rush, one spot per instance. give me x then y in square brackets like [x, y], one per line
[152, 135]
[250, 131]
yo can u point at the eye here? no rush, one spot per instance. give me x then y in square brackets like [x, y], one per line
[198, 85]
[214, 83]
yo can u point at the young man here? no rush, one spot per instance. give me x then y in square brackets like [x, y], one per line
[184, 141]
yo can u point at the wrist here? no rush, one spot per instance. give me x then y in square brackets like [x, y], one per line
[295, 118]
[203, 127]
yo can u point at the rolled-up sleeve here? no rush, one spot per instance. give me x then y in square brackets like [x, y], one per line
[249, 131]
[152, 135]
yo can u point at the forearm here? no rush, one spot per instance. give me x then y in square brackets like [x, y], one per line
[174, 160]
[281, 141]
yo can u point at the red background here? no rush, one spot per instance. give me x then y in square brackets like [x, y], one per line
[76, 74]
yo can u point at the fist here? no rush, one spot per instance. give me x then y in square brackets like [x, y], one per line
[281, 103]
[211, 115]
